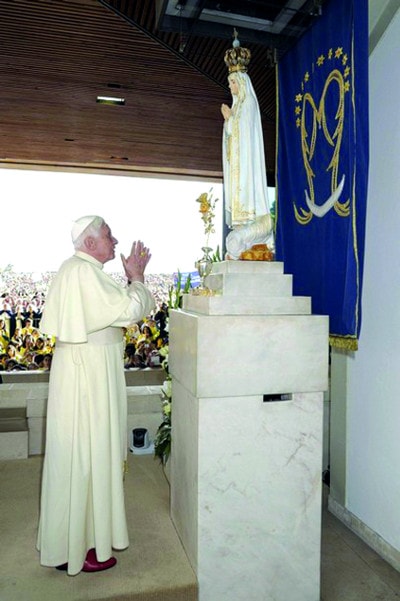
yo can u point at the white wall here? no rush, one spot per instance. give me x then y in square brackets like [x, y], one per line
[372, 374]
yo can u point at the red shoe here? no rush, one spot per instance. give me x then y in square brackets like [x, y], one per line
[91, 563]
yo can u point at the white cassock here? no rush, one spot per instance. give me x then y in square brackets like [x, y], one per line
[82, 501]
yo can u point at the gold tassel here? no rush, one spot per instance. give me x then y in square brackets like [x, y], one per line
[344, 342]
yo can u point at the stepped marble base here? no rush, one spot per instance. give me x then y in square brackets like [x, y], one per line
[249, 367]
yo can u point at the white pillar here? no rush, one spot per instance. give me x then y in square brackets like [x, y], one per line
[249, 367]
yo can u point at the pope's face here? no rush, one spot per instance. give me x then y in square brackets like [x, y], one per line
[233, 85]
[105, 245]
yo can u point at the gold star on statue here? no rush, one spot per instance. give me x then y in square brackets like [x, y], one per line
[338, 52]
[299, 97]
[345, 59]
[346, 86]
[298, 122]
[330, 53]
[347, 71]
[306, 76]
[320, 60]
[297, 110]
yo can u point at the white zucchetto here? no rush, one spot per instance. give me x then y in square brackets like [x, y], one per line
[80, 225]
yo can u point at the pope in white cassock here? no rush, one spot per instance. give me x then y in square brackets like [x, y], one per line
[82, 513]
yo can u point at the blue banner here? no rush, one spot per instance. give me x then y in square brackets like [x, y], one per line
[322, 165]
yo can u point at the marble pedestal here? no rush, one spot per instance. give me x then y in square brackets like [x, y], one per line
[249, 368]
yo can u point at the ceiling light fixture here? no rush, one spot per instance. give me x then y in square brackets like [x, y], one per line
[110, 100]
[182, 38]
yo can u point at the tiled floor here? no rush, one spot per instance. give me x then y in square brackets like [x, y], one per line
[351, 571]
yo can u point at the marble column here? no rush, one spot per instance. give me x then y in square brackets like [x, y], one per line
[249, 367]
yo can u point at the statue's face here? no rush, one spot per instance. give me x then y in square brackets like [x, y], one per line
[233, 85]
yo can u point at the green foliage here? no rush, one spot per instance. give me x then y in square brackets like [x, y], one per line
[216, 258]
[175, 293]
[273, 211]
[162, 441]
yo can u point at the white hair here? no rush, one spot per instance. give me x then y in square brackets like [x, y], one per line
[93, 229]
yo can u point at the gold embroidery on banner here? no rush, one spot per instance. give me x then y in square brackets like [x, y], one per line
[319, 126]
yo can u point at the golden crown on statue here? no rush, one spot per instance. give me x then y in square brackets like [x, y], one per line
[237, 58]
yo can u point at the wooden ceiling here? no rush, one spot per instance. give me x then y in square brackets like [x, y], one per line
[58, 56]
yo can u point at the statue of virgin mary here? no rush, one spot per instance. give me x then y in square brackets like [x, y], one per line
[247, 210]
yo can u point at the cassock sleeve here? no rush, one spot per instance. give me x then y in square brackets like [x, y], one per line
[83, 299]
[141, 305]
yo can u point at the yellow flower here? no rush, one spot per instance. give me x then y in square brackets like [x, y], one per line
[207, 208]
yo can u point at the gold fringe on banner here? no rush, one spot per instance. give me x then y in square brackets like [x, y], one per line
[346, 343]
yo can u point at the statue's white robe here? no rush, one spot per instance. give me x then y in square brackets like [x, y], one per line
[245, 181]
[82, 501]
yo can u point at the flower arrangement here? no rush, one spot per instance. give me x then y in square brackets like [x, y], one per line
[207, 211]
[162, 441]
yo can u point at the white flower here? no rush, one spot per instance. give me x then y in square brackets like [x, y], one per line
[167, 388]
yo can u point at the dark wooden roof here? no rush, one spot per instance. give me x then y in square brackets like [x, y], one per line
[58, 56]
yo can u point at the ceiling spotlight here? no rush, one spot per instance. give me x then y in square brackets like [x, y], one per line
[110, 100]
[182, 44]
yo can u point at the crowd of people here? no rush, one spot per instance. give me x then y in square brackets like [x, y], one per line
[23, 346]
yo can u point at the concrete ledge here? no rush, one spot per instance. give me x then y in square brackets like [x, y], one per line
[150, 376]
[22, 377]
[144, 409]
[26, 405]
[14, 445]
[14, 395]
[10, 413]
[13, 424]
[13, 433]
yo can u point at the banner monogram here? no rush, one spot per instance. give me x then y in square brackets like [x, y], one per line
[313, 121]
